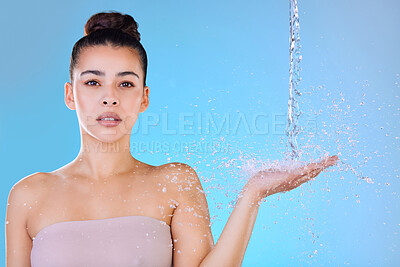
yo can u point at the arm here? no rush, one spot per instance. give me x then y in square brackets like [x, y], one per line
[18, 241]
[190, 224]
[232, 244]
[193, 243]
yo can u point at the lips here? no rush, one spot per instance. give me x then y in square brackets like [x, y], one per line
[108, 115]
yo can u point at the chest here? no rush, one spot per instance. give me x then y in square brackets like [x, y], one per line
[74, 200]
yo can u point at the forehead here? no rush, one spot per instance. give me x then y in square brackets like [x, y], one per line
[109, 59]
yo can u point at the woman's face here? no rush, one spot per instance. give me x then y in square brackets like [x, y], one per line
[107, 79]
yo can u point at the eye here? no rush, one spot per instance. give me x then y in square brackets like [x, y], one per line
[90, 83]
[127, 84]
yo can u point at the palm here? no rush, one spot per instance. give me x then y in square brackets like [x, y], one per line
[268, 182]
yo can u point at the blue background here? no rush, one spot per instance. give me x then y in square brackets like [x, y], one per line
[232, 59]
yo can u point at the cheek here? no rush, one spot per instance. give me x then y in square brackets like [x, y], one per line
[81, 101]
[134, 102]
[131, 106]
[85, 105]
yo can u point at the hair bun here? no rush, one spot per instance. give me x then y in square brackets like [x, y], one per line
[114, 20]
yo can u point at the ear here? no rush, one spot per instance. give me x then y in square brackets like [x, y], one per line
[145, 99]
[69, 96]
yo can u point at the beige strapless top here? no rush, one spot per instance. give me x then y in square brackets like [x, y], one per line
[119, 241]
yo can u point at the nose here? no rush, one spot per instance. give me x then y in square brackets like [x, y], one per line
[108, 101]
[110, 98]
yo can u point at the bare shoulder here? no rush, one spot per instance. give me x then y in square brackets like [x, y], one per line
[182, 178]
[190, 223]
[21, 198]
[27, 183]
[28, 188]
[180, 171]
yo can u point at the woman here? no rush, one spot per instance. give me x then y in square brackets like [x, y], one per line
[106, 208]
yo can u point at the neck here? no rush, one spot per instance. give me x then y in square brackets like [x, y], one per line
[102, 160]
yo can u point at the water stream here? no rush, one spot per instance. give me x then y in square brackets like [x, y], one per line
[293, 128]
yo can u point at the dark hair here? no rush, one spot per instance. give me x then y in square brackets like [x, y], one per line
[112, 28]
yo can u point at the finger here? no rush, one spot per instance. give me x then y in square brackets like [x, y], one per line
[309, 176]
[330, 161]
[309, 168]
[304, 176]
[324, 163]
[308, 172]
[301, 181]
[313, 169]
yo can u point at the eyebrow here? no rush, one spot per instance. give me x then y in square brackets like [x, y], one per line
[100, 73]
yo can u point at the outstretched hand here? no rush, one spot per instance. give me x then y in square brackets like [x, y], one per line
[270, 181]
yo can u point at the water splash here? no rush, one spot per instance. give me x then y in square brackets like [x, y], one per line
[294, 112]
